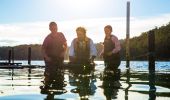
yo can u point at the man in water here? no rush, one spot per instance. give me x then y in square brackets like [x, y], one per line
[53, 50]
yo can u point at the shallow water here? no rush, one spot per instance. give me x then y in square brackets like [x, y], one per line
[24, 84]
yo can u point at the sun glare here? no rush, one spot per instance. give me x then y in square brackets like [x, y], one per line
[80, 4]
[83, 2]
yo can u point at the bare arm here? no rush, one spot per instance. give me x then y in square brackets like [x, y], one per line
[71, 52]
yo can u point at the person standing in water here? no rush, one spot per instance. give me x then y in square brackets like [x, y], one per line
[53, 50]
[82, 49]
[111, 51]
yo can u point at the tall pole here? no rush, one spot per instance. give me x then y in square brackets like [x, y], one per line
[127, 34]
[9, 56]
[29, 55]
[151, 58]
[12, 54]
[151, 50]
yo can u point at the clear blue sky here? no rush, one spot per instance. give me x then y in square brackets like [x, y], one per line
[12, 11]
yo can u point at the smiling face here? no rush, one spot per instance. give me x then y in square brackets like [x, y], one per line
[108, 30]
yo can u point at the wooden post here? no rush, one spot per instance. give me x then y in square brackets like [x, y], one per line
[29, 56]
[29, 62]
[12, 55]
[127, 35]
[127, 49]
[151, 57]
[151, 50]
[9, 56]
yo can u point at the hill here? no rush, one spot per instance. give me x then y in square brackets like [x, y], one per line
[138, 47]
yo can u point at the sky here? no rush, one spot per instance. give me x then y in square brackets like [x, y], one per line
[26, 21]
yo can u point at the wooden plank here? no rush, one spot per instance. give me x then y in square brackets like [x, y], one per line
[11, 67]
[6, 63]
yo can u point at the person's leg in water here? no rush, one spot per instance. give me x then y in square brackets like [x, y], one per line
[50, 70]
[48, 74]
[112, 63]
[57, 76]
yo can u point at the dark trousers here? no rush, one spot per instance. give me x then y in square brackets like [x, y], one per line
[112, 62]
[52, 69]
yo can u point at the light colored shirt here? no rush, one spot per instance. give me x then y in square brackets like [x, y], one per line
[93, 51]
[117, 44]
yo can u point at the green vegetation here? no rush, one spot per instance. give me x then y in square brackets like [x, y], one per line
[138, 47]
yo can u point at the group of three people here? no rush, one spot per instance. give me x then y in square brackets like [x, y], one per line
[82, 49]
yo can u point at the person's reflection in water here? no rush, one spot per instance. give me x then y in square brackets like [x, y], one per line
[50, 97]
[85, 83]
[55, 85]
[110, 84]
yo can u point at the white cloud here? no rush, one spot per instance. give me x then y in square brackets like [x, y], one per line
[139, 25]
[23, 33]
[35, 32]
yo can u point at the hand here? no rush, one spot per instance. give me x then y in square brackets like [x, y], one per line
[101, 55]
[62, 54]
[92, 59]
[47, 59]
[71, 59]
[109, 53]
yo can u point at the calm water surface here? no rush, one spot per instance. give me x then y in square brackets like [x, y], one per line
[24, 84]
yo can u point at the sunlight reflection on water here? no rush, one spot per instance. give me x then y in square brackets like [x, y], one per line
[19, 84]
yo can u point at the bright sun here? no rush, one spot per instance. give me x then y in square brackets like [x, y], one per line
[75, 4]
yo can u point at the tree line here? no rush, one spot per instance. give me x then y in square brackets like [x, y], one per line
[138, 47]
